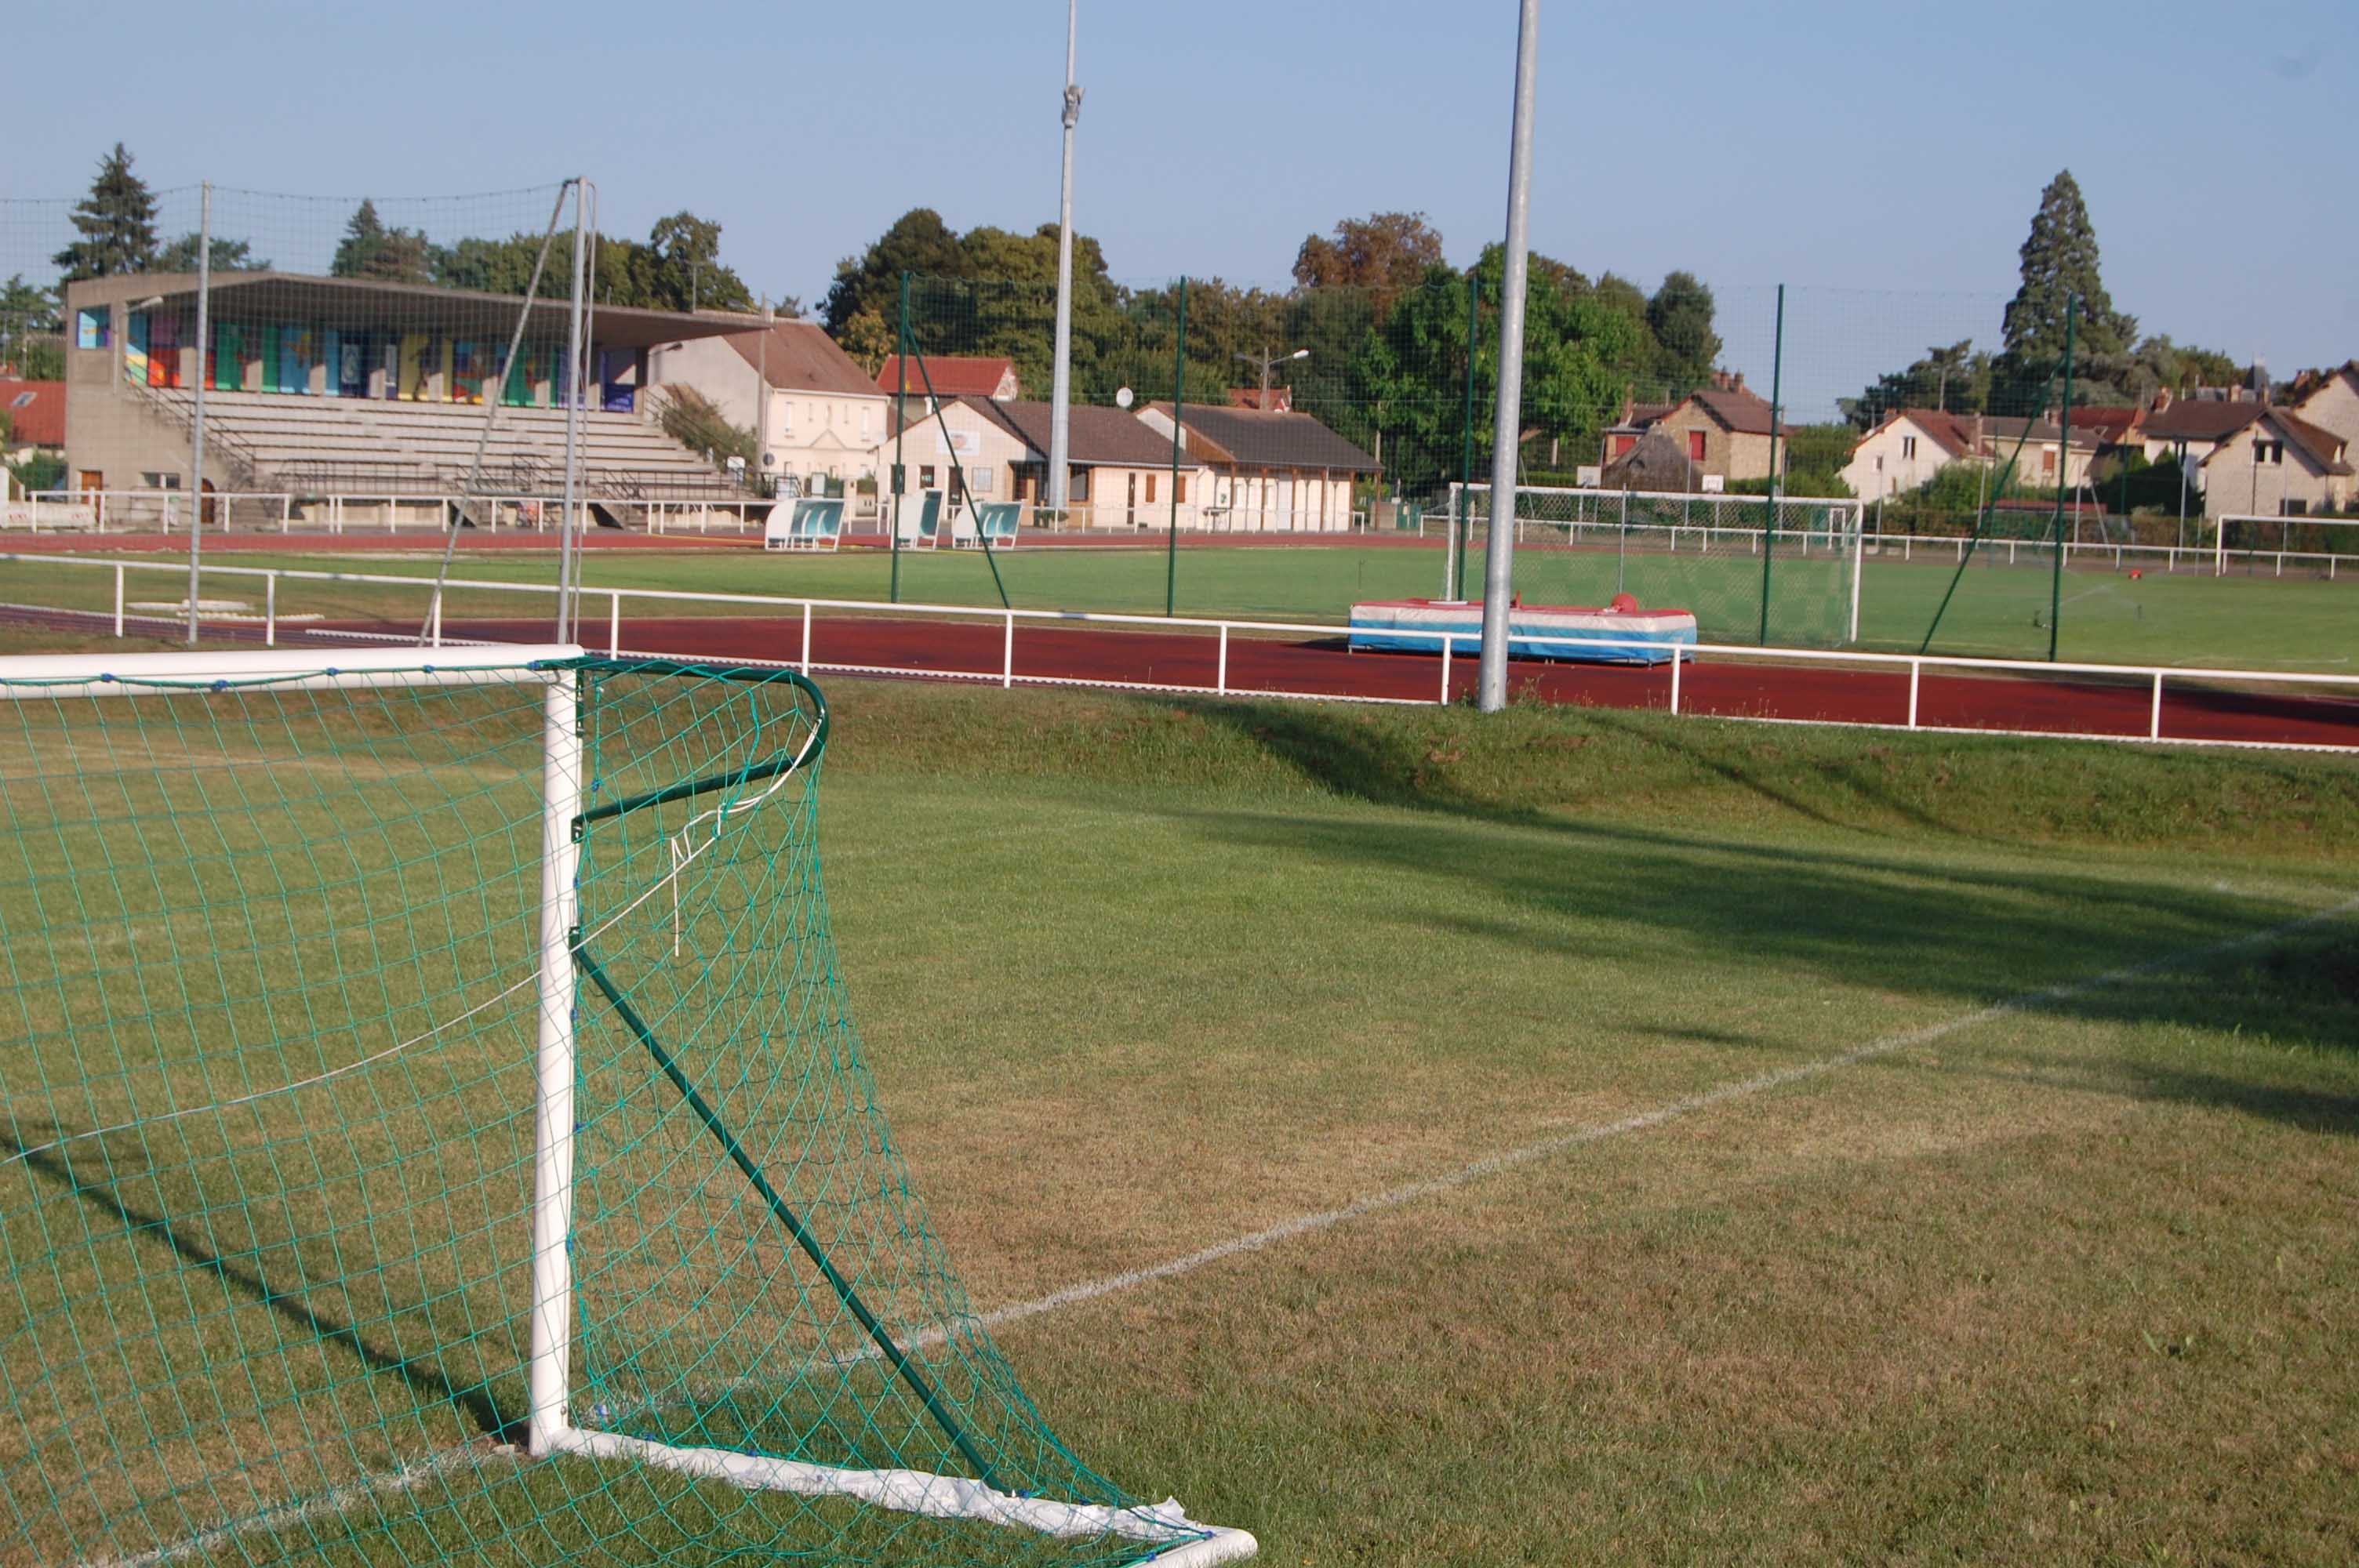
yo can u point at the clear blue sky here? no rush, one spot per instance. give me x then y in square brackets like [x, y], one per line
[1894, 149]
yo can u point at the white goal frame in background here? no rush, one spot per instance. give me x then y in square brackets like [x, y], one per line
[551, 1433]
[1599, 515]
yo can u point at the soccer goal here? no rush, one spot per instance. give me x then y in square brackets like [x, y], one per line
[434, 1131]
[1751, 569]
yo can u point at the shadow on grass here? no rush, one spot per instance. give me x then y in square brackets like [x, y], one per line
[1862, 914]
[423, 1375]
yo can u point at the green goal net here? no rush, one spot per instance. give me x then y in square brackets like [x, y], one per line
[1751, 569]
[432, 1129]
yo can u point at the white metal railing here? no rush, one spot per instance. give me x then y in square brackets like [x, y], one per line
[2210, 558]
[1452, 643]
[169, 511]
[1157, 517]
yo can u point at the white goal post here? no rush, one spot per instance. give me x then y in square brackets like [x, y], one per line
[1672, 523]
[321, 862]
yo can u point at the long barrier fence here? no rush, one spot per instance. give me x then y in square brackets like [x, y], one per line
[1277, 658]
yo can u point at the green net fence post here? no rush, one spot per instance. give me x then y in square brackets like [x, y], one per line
[1466, 433]
[1179, 417]
[1769, 513]
[900, 425]
[2064, 478]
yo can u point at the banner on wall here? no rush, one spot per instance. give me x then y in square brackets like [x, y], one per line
[297, 351]
[618, 378]
[467, 373]
[228, 370]
[164, 351]
[413, 383]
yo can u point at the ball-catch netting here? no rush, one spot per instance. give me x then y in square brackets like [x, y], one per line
[435, 1132]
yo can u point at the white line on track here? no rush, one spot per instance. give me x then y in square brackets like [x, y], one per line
[1644, 1121]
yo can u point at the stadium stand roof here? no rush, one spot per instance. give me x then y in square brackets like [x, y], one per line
[363, 304]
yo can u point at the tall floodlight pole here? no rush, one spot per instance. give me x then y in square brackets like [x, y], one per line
[1498, 556]
[574, 369]
[1060, 394]
[197, 416]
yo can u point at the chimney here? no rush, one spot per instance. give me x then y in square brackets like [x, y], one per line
[2161, 399]
[1737, 380]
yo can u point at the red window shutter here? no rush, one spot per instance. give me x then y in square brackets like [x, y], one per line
[1695, 445]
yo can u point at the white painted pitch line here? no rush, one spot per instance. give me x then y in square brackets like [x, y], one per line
[334, 1501]
[1465, 1175]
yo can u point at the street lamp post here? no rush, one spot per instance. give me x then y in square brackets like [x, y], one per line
[1264, 361]
[1060, 395]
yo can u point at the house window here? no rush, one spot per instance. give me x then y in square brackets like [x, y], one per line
[925, 476]
[983, 480]
[1622, 444]
[1908, 447]
[2268, 451]
[160, 480]
[1180, 489]
[1151, 490]
[93, 326]
[1695, 446]
[2292, 508]
[2047, 459]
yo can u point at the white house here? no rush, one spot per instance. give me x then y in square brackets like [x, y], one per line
[1912, 445]
[2331, 401]
[2278, 464]
[813, 412]
[1269, 469]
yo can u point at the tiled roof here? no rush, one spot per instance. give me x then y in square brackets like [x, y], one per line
[1741, 411]
[35, 411]
[1256, 438]
[2109, 420]
[799, 357]
[2325, 447]
[951, 376]
[2200, 420]
[1097, 434]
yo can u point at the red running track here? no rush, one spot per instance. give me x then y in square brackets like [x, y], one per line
[1322, 667]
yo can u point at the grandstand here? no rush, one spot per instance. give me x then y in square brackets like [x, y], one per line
[349, 390]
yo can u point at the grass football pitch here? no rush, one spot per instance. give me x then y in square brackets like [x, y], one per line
[2239, 622]
[1580, 1136]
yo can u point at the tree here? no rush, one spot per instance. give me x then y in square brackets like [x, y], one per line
[867, 338]
[1411, 369]
[1680, 316]
[116, 222]
[2059, 265]
[696, 422]
[229, 255]
[32, 332]
[919, 241]
[371, 250]
[1386, 253]
[689, 274]
[1955, 378]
